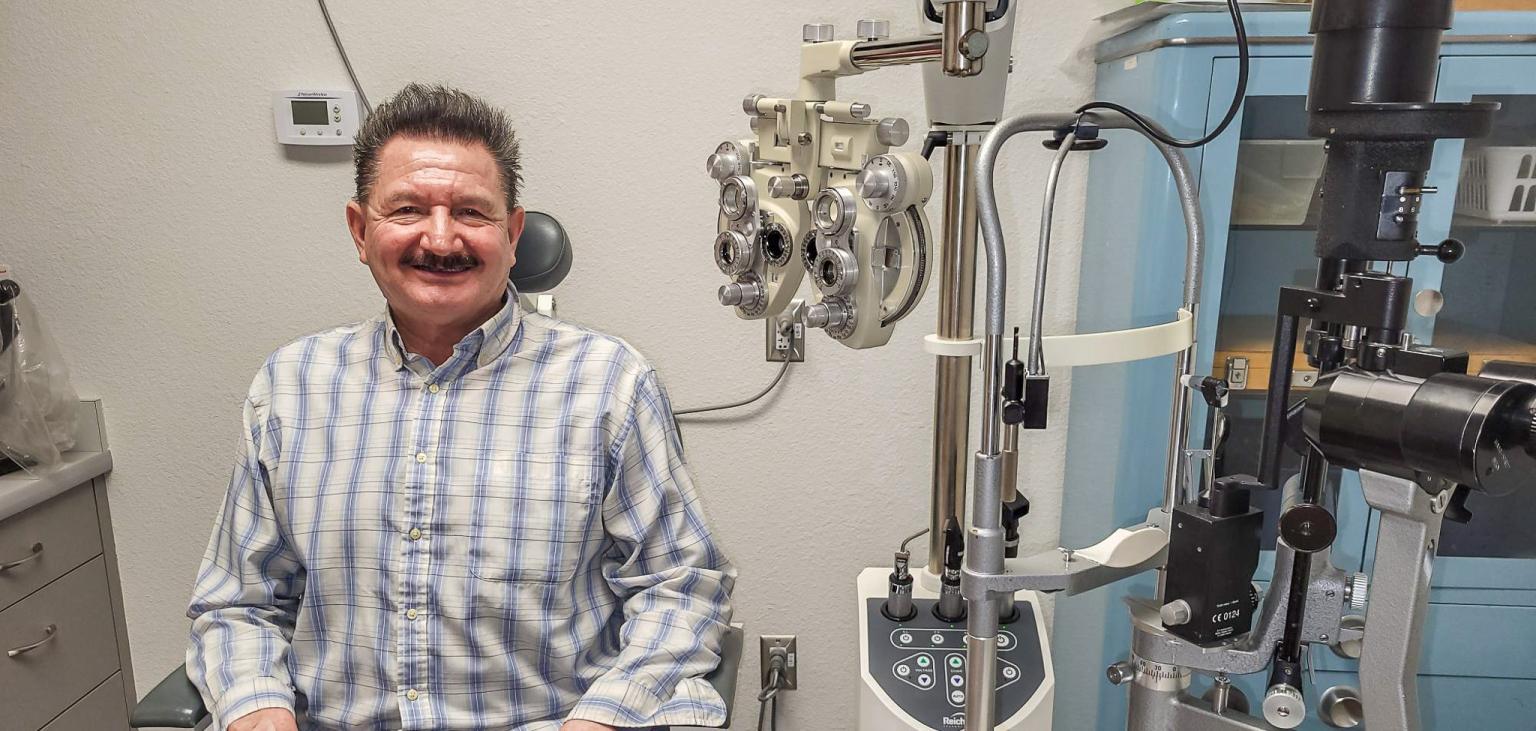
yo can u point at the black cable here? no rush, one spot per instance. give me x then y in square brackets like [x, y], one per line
[769, 694]
[344, 60]
[722, 407]
[1237, 98]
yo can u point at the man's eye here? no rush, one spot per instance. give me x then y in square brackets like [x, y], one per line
[471, 212]
[407, 211]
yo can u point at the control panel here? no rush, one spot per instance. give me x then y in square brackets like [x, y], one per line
[921, 664]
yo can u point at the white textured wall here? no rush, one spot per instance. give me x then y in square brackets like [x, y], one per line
[172, 243]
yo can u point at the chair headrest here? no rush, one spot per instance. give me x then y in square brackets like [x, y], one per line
[543, 254]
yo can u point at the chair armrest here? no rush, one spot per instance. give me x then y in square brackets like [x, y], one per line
[723, 677]
[174, 703]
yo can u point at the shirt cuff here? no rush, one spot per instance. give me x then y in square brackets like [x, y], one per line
[249, 696]
[624, 703]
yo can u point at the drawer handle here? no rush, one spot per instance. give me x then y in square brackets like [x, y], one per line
[37, 552]
[52, 631]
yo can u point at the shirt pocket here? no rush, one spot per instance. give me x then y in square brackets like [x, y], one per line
[536, 521]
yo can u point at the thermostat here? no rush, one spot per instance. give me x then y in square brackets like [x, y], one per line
[306, 117]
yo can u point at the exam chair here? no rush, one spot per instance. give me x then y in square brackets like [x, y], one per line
[543, 260]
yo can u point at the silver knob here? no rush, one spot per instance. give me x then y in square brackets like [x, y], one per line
[826, 315]
[739, 293]
[874, 30]
[1120, 673]
[749, 104]
[1283, 707]
[1175, 613]
[893, 132]
[1355, 592]
[723, 164]
[794, 187]
[859, 110]
[975, 44]
[817, 32]
[875, 183]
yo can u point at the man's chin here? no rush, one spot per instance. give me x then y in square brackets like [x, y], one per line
[442, 304]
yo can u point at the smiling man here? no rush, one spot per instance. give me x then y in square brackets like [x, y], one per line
[456, 515]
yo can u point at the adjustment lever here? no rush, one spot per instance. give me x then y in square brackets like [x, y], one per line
[1448, 251]
[1013, 511]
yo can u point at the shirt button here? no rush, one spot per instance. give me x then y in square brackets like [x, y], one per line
[412, 695]
[410, 613]
[415, 534]
[421, 457]
[433, 388]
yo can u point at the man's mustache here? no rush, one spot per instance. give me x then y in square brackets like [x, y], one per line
[428, 260]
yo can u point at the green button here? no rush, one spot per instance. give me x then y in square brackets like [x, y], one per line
[923, 661]
[956, 661]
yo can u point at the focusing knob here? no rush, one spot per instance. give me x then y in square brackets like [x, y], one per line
[1175, 613]
[1283, 706]
[817, 32]
[747, 294]
[874, 30]
[893, 131]
[795, 187]
[830, 315]
[875, 183]
[1308, 528]
[1355, 592]
[724, 162]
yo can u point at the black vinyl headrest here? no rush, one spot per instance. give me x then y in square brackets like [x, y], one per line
[543, 254]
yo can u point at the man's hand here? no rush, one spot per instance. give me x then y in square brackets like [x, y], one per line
[574, 725]
[271, 719]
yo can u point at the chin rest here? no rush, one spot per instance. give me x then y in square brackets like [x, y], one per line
[175, 702]
[543, 254]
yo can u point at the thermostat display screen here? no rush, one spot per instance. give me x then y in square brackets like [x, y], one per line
[309, 112]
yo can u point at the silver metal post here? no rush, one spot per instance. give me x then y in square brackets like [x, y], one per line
[1405, 552]
[952, 374]
[965, 36]
[897, 52]
[984, 551]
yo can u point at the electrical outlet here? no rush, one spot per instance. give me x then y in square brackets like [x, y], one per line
[771, 646]
[786, 335]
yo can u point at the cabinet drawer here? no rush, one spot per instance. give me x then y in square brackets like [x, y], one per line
[82, 651]
[102, 710]
[66, 528]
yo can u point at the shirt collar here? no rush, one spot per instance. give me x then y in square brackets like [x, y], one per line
[484, 344]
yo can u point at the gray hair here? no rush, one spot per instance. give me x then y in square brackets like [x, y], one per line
[435, 111]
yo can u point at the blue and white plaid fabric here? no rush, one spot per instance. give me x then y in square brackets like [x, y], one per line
[503, 541]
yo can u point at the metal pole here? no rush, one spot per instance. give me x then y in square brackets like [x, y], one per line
[897, 52]
[952, 379]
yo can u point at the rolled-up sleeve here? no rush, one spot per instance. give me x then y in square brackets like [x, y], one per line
[674, 581]
[247, 593]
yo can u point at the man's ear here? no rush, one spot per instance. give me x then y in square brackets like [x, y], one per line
[515, 221]
[357, 221]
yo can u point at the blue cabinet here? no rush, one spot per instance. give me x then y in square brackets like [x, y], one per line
[1256, 183]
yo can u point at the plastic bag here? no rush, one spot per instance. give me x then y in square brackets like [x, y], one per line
[37, 404]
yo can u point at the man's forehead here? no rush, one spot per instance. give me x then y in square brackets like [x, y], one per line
[416, 166]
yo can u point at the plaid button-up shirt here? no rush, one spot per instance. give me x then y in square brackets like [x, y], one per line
[503, 541]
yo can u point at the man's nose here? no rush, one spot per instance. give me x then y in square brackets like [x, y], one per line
[439, 238]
